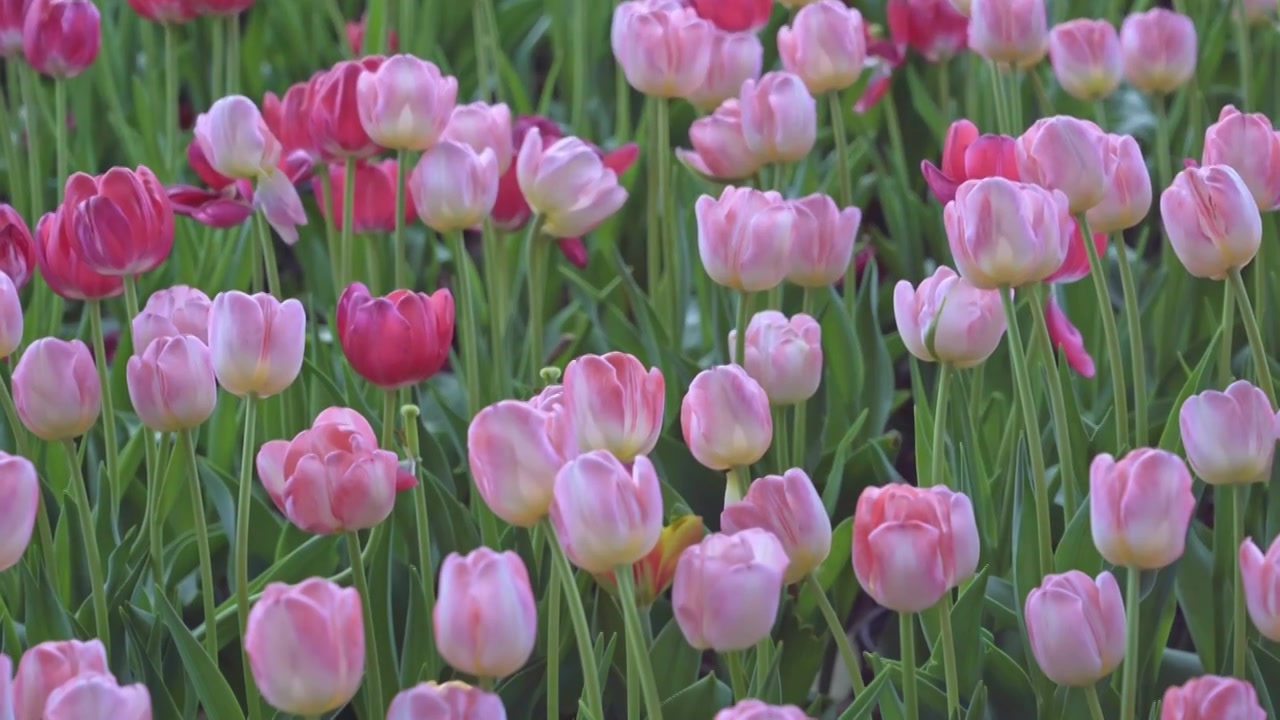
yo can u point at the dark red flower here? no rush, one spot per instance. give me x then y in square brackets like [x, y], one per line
[398, 340]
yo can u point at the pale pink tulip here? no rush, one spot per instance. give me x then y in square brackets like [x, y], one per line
[615, 404]
[1230, 437]
[46, 667]
[56, 389]
[171, 384]
[1261, 576]
[664, 49]
[486, 621]
[727, 589]
[178, 310]
[735, 58]
[567, 185]
[1249, 145]
[720, 149]
[515, 450]
[745, 238]
[1140, 508]
[825, 45]
[783, 355]
[1015, 32]
[235, 139]
[1066, 154]
[257, 342]
[1076, 627]
[19, 500]
[6, 688]
[779, 117]
[948, 320]
[1127, 198]
[405, 103]
[820, 256]
[605, 513]
[11, 324]
[1209, 697]
[1085, 55]
[1158, 50]
[788, 506]
[1006, 233]
[752, 709]
[725, 418]
[482, 126]
[453, 700]
[98, 697]
[1211, 220]
[454, 187]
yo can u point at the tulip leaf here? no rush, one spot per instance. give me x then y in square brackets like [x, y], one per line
[1076, 550]
[966, 621]
[702, 699]
[162, 702]
[1010, 688]
[1264, 672]
[977, 704]
[864, 705]
[1171, 438]
[799, 657]
[418, 659]
[215, 693]
[675, 662]
[45, 618]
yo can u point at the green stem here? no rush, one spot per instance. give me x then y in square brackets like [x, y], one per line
[800, 438]
[553, 651]
[936, 450]
[1243, 53]
[43, 526]
[409, 414]
[373, 675]
[738, 480]
[332, 241]
[244, 495]
[1002, 111]
[402, 257]
[31, 116]
[1058, 409]
[847, 656]
[1136, 355]
[764, 662]
[1261, 263]
[949, 657]
[581, 631]
[1129, 669]
[737, 675]
[1095, 707]
[653, 228]
[108, 408]
[907, 637]
[1164, 170]
[1226, 347]
[171, 69]
[537, 257]
[468, 329]
[202, 543]
[60, 128]
[743, 321]
[348, 227]
[581, 68]
[668, 218]
[233, 54]
[639, 648]
[1240, 620]
[267, 245]
[1262, 367]
[1040, 485]
[1114, 358]
[218, 43]
[841, 138]
[154, 470]
[97, 580]
[633, 679]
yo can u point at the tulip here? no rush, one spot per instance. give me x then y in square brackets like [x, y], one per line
[745, 237]
[1075, 265]
[164, 11]
[779, 117]
[606, 514]
[1015, 32]
[405, 103]
[788, 506]
[223, 7]
[235, 139]
[1005, 233]
[783, 355]
[305, 645]
[752, 709]
[1140, 508]
[664, 50]
[374, 205]
[966, 155]
[6, 687]
[1076, 627]
[1211, 220]
[911, 545]
[615, 404]
[1259, 12]
[1067, 154]
[1249, 145]
[720, 149]
[288, 118]
[171, 384]
[10, 317]
[50, 665]
[61, 38]
[355, 37]
[514, 450]
[98, 697]
[653, 574]
[174, 311]
[17, 249]
[1158, 50]
[727, 589]
[483, 126]
[736, 16]
[725, 418]
[1230, 437]
[821, 257]
[932, 28]
[397, 340]
[454, 187]
[56, 389]
[1261, 577]
[1066, 337]
[334, 119]
[948, 320]
[256, 342]
[485, 618]
[122, 222]
[1127, 197]
[568, 185]
[735, 58]
[19, 500]
[825, 45]
[12, 13]
[1210, 697]
[1085, 55]
[450, 701]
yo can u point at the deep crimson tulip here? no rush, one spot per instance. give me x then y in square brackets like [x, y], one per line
[61, 38]
[222, 7]
[735, 15]
[397, 340]
[12, 13]
[966, 155]
[225, 202]
[121, 221]
[932, 28]
[289, 117]
[61, 266]
[165, 11]
[375, 199]
[333, 118]
[17, 249]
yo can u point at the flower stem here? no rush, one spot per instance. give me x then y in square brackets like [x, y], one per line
[496, 281]
[537, 257]
[43, 526]
[800, 439]
[31, 118]
[422, 519]
[348, 226]
[949, 657]
[202, 543]
[1243, 53]
[847, 656]
[581, 631]
[108, 408]
[1058, 408]
[654, 173]
[1129, 686]
[578, 47]
[744, 320]
[1115, 359]
[1095, 707]
[939, 428]
[233, 54]
[907, 637]
[469, 328]
[171, 70]
[1262, 367]
[401, 262]
[97, 580]
[1239, 618]
[737, 675]
[373, 676]
[1002, 111]
[841, 139]
[1136, 356]
[553, 650]
[244, 494]
[636, 643]
[60, 129]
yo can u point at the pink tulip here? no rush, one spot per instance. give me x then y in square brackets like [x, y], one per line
[932, 28]
[948, 320]
[120, 222]
[720, 149]
[11, 324]
[1067, 154]
[779, 117]
[1211, 220]
[735, 58]
[48, 666]
[1261, 576]
[6, 688]
[1158, 50]
[605, 513]
[405, 103]
[174, 311]
[98, 697]
[825, 45]
[454, 187]
[17, 247]
[1249, 145]
[567, 184]
[664, 50]
[1076, 627]
[61, 38]
[333, 112]
[1015, 32]
[1066, 337]
[235, 139]
[486, 621]
[453, 700]
[12, 13]
[515, 450]
[1210, 697]
[752, 709]
[820, 256]
[726, 419]
[615, 404]
[19, 500]
[727, 589]
[910, 544]
[56, 389]
[1230, 437]
[1005, 233]
[171, 384]
[966, 155]
[1140, 508]
[788, 506]
[256, 342]
[1085, 55]
[484, 126]
[783, 355]
[1127, 198]
[305, 644]
[745, 238]
[1075, 265]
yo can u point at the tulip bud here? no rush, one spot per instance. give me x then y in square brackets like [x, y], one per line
[789, 507]
[454, 187]
[615, 404]
[1009, 31]
[1066, 337]
[720, 149]
[653, 574]
[1250, 146]
[1067, 154]
[58, 256]
[305, 644]
[515, 450]
[932, 28]
[483, 126]
[174, 311]
[1140, 508]
[256, 342]
[98, 697]
[374, 206]
[171, 384]
[334, 117]
[567, 184]
[56, 389]
[752, 709]
[486, 621]
[164, 11]
[17, 248]
[948, 320]
[735, 58]
[235, 140]
[61, 38]
[821, 257]
[604, 513]
[742, 571]
[1158, 50]
[779, 117]
[12, 13]
[122, 220]
[1127, 198]
[825, 45]
[397, 340]
[911, 545]
[405, 103]
[726, 419]
[1085, 55]
[736, 16]
[783, 355]
[288, 118]
[1076, 627]
[1261, 577]
[664, 51]
[1005, 233]
[1211, 220]
[453, 700]
[1230, 437]
[745, 238]
[19, 500]
[1211, 697]
[11, 324]
[50, 665]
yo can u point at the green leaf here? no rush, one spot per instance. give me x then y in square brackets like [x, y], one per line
[675, 662]
[215, 694]
[702, 699]
[863, 706]
[1076, 550]
[1171, 438]
[1196, 597]
[966, 622]
[1011, 693]
[837, 563]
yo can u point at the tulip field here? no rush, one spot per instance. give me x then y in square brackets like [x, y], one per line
[639, 360]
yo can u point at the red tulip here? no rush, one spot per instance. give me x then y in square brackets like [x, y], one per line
[397, 340]
[121, 221]
[735, 15]
[17, 249]
[61, 266]
[333, 117]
